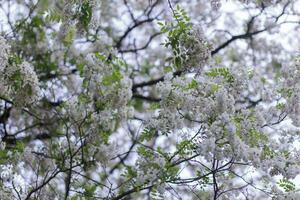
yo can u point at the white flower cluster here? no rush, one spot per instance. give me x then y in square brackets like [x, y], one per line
[109, 88]
[72, 22]
[21, 84]
[210, 99]
[291, 90]
[281, 195]
[6, 172]
[18, 82]
[6, 193]
[226, 138]
[202, 98]
[149, 169]
[108, 84]
[2, 144]
[195, 49]
[4, 53]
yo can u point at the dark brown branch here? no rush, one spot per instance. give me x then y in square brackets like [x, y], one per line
[146, 98]
[131, 28]
[141, 48]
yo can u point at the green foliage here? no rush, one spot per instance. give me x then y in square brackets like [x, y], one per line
[286, 91]
[155, 105]
[130, 172]
[80, 68]
[193, 84]
[32, 31]
[85, 14]
[3, 156]
[14, 60]
[137, 104]
[185, 147]
[286, 185]
[53, 15]
[267, 153]
[20, 146]
[116, 64]
[280, 106]
[44, 64]
[147, 134]
[112, 78]
[176, 31]
[255, 138]
[142, 151]
[170, 172]
[222, 71]
[69, 37]
[89, 191]
[155, 194]
[214, 88]
[16, 80]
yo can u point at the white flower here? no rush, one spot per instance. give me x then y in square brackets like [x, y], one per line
[4, 53]
[6, 172]
[195, 50]
[20, 83]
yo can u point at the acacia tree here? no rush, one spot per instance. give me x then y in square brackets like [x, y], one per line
[158, 99]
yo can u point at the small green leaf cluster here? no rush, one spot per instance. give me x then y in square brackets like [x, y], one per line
[176, 31]
[286, 185]
[221, 71]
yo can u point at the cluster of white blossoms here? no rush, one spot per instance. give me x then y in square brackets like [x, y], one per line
[199, 99]
[291, 90]
[229, 137]
[149, 169]
[6, 193]
[108, 84]
[4, 56]
[77, 16]
[195, 49]
[4, 53]
[18, 82]
[6, 173]
[11, 182]
[109, 89]
[217, 99]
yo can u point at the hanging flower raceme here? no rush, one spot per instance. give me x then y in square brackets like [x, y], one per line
[290, 90]
[195, 49]
[109, 87]
[19, 82]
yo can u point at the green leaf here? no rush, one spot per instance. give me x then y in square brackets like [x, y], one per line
[214, 88]
[287, 185]
[85, 15]
[130, 172]
[80, 68]
[20, 146]
[90, 190]
[68, 39]
[147, 134]
[185, 147]
[116, 76]
[280, 106]
[193, 84]
[255, 137]
[222, 71]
